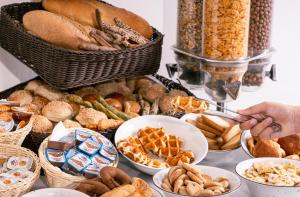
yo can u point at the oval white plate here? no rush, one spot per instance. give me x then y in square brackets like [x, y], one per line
[192, 139]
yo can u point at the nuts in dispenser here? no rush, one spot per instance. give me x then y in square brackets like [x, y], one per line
[254, 76]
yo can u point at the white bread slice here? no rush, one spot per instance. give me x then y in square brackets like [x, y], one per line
[231, 132]
[216, 122]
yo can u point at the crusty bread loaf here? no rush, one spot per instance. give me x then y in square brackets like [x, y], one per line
[58, 30]
[83, 11]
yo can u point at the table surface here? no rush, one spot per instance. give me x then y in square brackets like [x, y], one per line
[229, 163]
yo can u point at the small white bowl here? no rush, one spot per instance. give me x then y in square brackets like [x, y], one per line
[259, 189]
[52, 192]
[192, 139]
[214, 172]
[246, 135]
[212, 155]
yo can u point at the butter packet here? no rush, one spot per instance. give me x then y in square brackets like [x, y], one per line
[91, 171]
[102, 140]
[7, 180]
[81, 136]
[20, 174]
[109, 153]
[19, 162]
[55, 157]
[66, 169]
[78, 162]
[100, 161]
[71, 152]
[89, 147]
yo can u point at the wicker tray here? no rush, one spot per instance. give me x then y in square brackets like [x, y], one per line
[33, 140]
[66, 69]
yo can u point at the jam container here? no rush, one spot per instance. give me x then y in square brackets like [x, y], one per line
[261, 18]
[225, 46]
[189, 39]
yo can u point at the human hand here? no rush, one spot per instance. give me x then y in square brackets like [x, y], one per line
[266, 113]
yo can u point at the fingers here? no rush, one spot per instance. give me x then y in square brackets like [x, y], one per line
[248, 124]
[255, 109]
[259, 128]
[266, 134]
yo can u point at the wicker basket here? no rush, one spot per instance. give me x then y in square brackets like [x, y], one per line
[55, 176]
[22, 187]
[63, 68]
[16, 137]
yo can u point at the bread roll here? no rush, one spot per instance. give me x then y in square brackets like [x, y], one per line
[83, 11]
[48, 92]
[268, 148]
[291, 144]
[40, 102]
[33, 85]
[21, 96]
[89, 116]
[57, 111]
[41, 124]
[71, 124]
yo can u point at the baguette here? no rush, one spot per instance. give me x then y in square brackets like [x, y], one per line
[84, 12]
[216, 122]
[59, 30]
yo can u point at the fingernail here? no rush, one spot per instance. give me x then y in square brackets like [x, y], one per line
[269, 120]
[253, 121]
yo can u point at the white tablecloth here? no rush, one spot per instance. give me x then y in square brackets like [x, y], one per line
[229, 162]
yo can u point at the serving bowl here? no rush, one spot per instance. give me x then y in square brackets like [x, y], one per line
[192, 139]
[214, 172]
[246, 135]
[50, 192]
[260, 189]
[212, 155]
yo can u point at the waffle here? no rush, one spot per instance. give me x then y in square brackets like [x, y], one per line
[182, 157]
[189, 104]
[172, 147]
[153, 139]
[133, 149]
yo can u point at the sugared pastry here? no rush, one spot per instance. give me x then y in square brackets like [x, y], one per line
[22, 96]
[57, 111]
[268, 148]
[291, 144]
[89, 116]
[41, 124]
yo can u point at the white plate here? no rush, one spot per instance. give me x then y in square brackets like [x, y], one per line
[214, 172]
[212, 155]
[259, 189]
[54, 192]
[192, 139]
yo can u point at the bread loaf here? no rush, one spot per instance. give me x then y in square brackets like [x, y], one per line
[83, 11]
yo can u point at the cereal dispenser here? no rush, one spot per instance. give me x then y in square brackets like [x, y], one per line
[225, 46]
[261, 15]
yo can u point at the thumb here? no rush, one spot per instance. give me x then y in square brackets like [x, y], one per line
[255, 109]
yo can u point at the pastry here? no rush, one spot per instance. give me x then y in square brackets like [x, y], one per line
[291, 144]
[57, 111]
[40, 102]
[132, 107]
[268, 148]
[89, 116]
[153, 92]
[22, 96]
[114, 103]
[86, 91]
[188, 104]
[108, 88]
[48, 92]
[104, 124]
[71, 124]
[176, 93]
[33, 85]
[40, 124]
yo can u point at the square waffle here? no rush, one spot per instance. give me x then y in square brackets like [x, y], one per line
[153, 139]
[172, 148]
[182, 157]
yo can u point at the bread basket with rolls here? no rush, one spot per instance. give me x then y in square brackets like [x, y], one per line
[70, 48]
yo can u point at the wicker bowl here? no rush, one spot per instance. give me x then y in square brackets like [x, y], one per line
[22, 187]
[16, 137]
[63, 68]
[55, 176]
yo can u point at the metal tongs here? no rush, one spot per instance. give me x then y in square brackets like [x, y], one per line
[275, 126]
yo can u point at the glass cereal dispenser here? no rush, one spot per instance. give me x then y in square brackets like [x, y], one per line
[225, 47]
